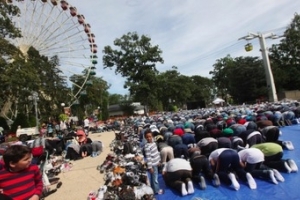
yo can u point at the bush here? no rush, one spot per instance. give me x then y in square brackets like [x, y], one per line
[63, 117]
[21, 120]
[172, 108]
[3, 123]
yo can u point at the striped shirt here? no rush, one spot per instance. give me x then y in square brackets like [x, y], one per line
[21, 185]
[152, 154]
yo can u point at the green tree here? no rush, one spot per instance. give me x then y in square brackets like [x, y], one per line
[242, 78]
[202, 89]
[220, 75]
[93, 96]
[135, 58]
[285, 58]
[3, 123]
[115, 99]
[8, 52]
[21, 120]
[7, 28]
[127, 108]
[174, 89]
[247, 80]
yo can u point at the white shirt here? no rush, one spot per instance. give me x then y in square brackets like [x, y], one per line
[86, 122]
[216, 153]
[177, 164]
[206, 141]
[251, 155]
[63, 125]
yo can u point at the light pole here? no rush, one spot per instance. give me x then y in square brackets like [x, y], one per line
[35, 97]
[264, 51]
[63, 107]
[99, 113]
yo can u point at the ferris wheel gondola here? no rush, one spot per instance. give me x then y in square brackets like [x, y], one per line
[55, 28]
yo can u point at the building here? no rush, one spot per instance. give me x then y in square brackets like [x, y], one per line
[115, 110]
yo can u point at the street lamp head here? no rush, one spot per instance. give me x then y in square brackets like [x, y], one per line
[249, 37]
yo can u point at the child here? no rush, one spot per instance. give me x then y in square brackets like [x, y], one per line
[19, 179]
[152, 160]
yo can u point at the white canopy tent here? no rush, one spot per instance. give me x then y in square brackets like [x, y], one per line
[218, 101]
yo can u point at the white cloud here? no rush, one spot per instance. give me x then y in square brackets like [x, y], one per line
[192, 34]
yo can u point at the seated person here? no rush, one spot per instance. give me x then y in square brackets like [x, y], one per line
[188, 137]
[81, 137]
[174, 140]
[237, 143]
[201, 169]
[97, 147]
[207, 145]
[223, 161]
[166, 151]
[272, 133]
[19, 179]
[200, 134]
[177, 174]
[86, 150]
[73, 149]
[224, 142]
[251, 137]
[252, 160]
[181, 151]
[273, 153]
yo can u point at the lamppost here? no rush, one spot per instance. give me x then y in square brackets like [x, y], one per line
[35, 97]
[264, 51]
[63, 107]
[99, 113]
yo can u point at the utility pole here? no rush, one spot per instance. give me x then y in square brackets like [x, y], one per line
[264, 51]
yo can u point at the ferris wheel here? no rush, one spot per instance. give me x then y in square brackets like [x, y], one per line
[55, 28]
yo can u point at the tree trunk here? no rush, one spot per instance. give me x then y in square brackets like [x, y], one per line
[6, 107]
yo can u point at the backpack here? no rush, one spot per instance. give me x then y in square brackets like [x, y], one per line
[128, 148]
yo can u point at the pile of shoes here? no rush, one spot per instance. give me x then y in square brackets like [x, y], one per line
[125, 172]
[51, 168]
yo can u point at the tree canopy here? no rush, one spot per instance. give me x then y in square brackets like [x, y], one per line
[285, 57]
[135, 58]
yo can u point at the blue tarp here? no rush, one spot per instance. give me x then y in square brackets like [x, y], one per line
[265, 190]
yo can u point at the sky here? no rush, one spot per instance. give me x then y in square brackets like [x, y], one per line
[192, 34]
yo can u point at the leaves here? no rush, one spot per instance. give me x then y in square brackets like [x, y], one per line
[135, 58]
[285, 57]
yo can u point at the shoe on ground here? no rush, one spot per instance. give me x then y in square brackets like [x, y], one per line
[287, 167]
[216, 180]
[160, 191]
[202, 183]
[234, 184]
[289, 145]
[48, 192]
[272, 177]
[251, 181]
[100, 194]
[183, 190]
[190, 187]
[278, 176]
[292, 165]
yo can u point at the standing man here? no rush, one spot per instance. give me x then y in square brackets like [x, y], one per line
[86, 125]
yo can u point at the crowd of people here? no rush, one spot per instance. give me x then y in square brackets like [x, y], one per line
[225, 145]
[29, 168]
[203, 146]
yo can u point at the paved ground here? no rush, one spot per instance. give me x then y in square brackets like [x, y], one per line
[83, 177]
